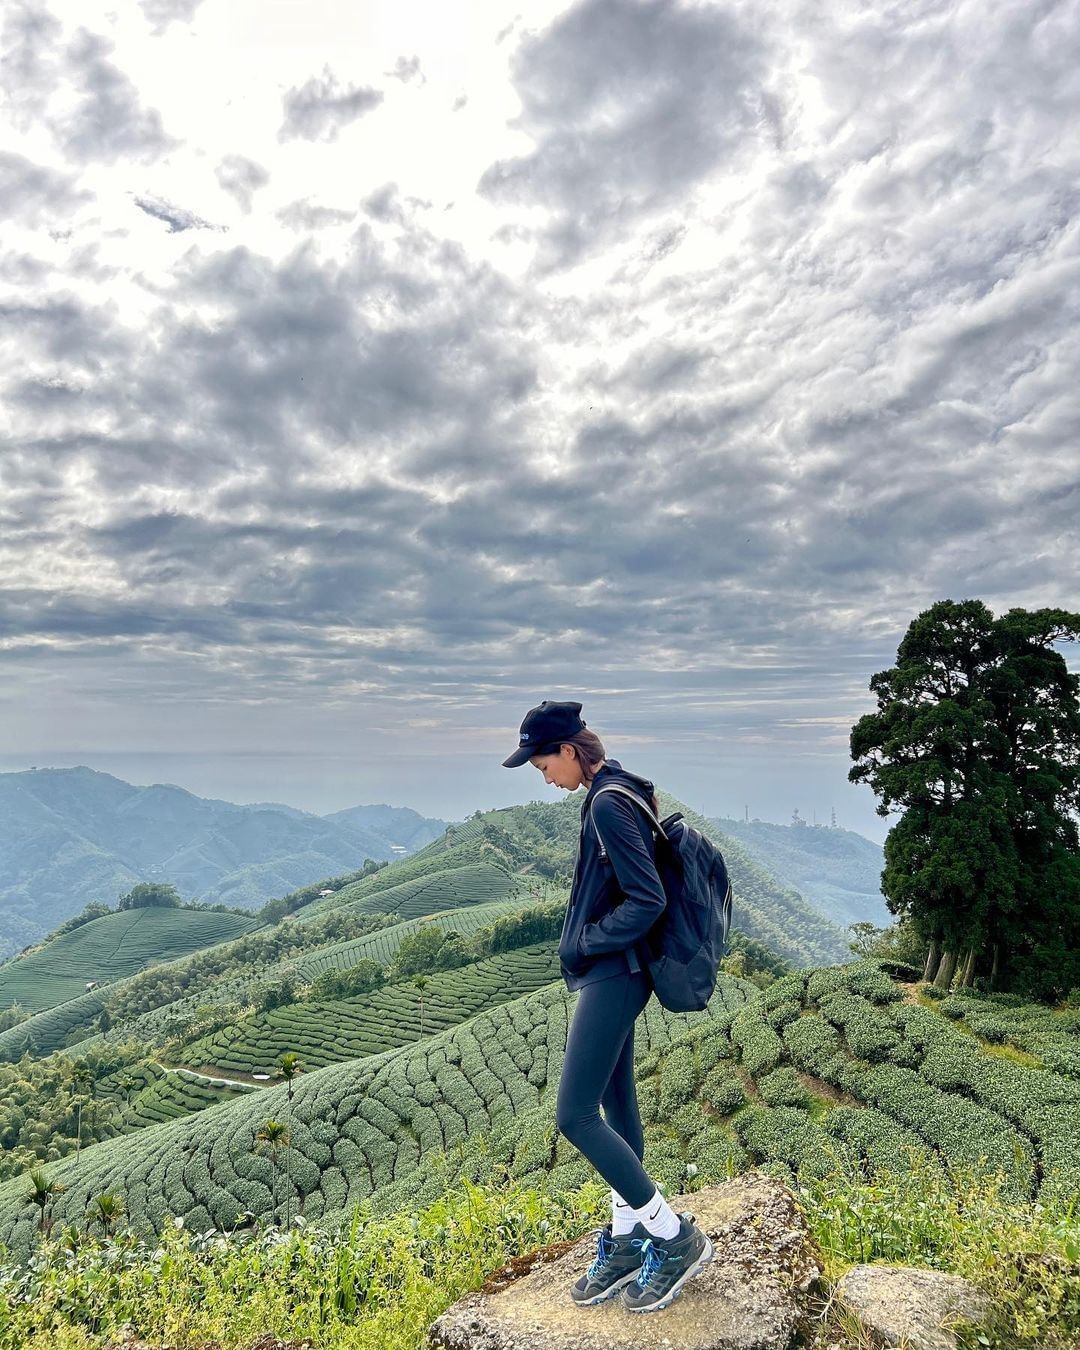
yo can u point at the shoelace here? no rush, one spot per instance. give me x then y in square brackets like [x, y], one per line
[654, 1259]
[604, 1249]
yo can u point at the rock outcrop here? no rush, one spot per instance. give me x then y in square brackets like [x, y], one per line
[752, 1296]
[907, 1306]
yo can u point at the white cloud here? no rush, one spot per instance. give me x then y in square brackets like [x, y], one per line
[687, 376]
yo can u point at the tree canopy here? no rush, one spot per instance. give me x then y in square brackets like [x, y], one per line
[148, 893]
[975, 741]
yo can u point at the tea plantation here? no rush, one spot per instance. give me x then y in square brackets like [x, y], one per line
[108, 948]
[162, 1094]
[59, 1026]
[824, 1063]
[326, 1033]
[355, 1127]
[157, 1024]
[541, 840]
[436, 889]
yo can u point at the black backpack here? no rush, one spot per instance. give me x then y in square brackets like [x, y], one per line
[688, 940]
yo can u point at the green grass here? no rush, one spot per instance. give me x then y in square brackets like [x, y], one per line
[377, 1283]
[110, 948]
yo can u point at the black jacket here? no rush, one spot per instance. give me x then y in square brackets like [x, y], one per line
[613, 901]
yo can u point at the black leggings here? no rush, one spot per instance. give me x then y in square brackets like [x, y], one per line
[598, 1070]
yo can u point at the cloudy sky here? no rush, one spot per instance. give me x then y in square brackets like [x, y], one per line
[372, 372]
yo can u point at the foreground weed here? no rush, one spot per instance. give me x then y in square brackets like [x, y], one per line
[1025, 1257]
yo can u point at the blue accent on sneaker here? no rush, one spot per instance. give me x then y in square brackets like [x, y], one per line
[614, 1266]
[666, 1269]
[604, 1248]
[653, 1258]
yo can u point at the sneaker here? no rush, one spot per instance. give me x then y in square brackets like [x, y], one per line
[617, 1262]
[665, 1269]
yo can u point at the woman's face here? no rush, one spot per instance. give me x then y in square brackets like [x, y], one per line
[560, 768]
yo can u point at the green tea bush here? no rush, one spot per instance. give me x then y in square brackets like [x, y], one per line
[648, 1095]
[723, 1089]
[874, 1137]
[780, 1014]
[762, 1049]
[783, 1134]
[814, 1046]
[859, 977]
[687, 1120]
[866, 1031]
[965, 1133]
[678, 1079]
[783, 1087]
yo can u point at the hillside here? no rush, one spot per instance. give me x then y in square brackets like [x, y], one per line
[154, 1006]
[540, 840]
[359, 1128]
[324, 1032]
[73, 836]
[407, 1088]
[110, 948]
[525, 850]
[834, 1063]
[836, 870]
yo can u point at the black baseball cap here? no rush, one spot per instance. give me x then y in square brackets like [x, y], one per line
[543, 729]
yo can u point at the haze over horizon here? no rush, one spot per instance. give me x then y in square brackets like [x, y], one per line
[299, 785]
[371, 373]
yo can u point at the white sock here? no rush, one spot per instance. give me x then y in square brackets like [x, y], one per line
[658, 1217]
[623, 1217]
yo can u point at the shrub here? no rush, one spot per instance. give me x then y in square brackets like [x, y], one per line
[783, 1087]
[723, 1090]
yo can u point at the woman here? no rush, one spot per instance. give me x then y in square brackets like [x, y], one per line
[647, 1252]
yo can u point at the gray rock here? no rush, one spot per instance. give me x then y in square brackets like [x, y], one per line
[908, 1306]
[750, 1297]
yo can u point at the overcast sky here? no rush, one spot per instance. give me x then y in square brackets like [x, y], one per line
[374, 371]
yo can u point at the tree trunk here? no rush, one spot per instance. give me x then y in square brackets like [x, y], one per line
[933, 956]
[968, 976]
[995, 968]
[943, 978]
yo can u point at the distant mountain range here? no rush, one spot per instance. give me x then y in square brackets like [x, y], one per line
[71, 836]
[836, 870]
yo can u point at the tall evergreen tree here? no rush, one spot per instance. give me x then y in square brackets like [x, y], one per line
[976, 742]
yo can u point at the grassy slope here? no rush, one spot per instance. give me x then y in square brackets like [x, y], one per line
[514, 837]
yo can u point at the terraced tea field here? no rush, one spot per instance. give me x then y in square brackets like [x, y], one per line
[838, 1055]
[825, 1064]
[356, 1128]
[383, 945]
[155, 1026]
[327, 1033]
[447, 888]
[49, 1031]
[161, 1094]
[109, 948]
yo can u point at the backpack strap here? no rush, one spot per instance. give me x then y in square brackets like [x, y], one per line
[626, 792]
